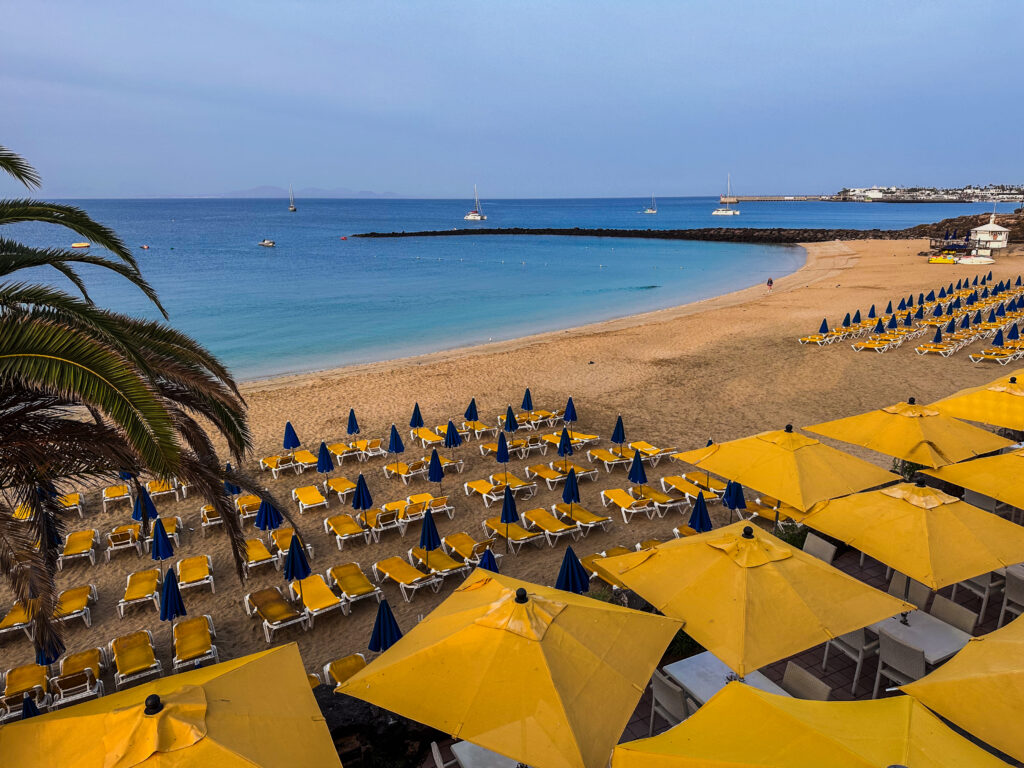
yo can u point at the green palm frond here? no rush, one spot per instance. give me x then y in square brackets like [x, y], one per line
[15, 165]
[69, 217]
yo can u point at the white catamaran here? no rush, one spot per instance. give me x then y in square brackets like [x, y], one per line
[653, 207]
[724, 209]
[476, 214]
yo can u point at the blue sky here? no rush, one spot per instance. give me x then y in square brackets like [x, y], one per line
[526, 99]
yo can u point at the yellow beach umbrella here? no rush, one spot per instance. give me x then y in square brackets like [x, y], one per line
[256, 710]
[794, 468]
[748, 597]
[994, 476]
[923, 533]
[742, 727]
[543, 676]
[913, 433]
[980, 688]
[1000, 403]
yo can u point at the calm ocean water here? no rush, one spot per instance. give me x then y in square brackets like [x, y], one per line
[316, 301]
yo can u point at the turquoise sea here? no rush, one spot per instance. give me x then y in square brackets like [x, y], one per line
[316, 301]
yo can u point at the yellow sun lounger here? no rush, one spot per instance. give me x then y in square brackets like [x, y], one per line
[256, 554]
[478, 428]
[488, 491]
[247, 506]
[73, 603]
[275, 612]
[124, 537]
[582, 473]
[437, 562]
[878, 344]
[681, 485]
[606, 457]
[588, 564]
[551, 477]
[79, 677]
[353, 583]
[308, 497]
[662, 500]
[281, 539]
[209, 517]
[942, 348]
[342, 450]
[520, 488]
[278, 464]
[316, 596]
[15, 619]
[436, 504]
[426, 437]
[141, 587]
[408, 578]
[115, 493]
[79, 544]
[305, 460]
[172, 527]
[73, 501]
[369, 448]
[29, 679]
[583, 517]
[345, 527]
[650, 453]
[628, 504]
[340, 670]
[576, 439]
[377, 521]
[707, 483]
[163, 488]
[341, 486]
[405, 471]
[193, 642]
[447, 464]
[468, 548]
[442, 430]
[514, 534]
[516, 448]
[551, 526]
[134, 658]
[195, 571]
[995, 354]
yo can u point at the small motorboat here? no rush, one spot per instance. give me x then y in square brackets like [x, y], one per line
[144, 247]
[79, 245]
[344, 238]
[266, 243]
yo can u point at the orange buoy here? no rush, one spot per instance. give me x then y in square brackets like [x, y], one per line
[344, 238]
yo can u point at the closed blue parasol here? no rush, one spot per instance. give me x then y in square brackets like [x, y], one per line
[919, 315]
[511, 425]
[571, 490]
[893, 323]
[965, 322]
[856, 317]
[385, 629]
[161, 548]
[1001, 311]
[361, 498]
[942, 293]
[471, 413]
[908, 321]
[930, 296]
[823, 328]
[291, 440]
[937, 339]
[871, 312]
[1013, 334]
[951, 325]
[296, 566]
[572, 576]
[171, 604]
[353, 425]
[637, 476]
[143, 502]
[570, 407]
[267, 517]
[487, 562]
[879, 328]
[435, 470]
[395, 445]
[125, 475]
[430, 539]
[417, 420]
[230, 488]
[903, 305]
[846, 321]
[509, 514]
[937, 312]
[619, 433]
[28, 707]
[700, 520]
[324, 462]
[565, 443]
[997, 341]
[452, 438]
[888, 308]
[527, 401]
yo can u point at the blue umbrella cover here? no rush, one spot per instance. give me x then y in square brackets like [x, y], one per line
[267, 517]
[28, 707]
[570, 412]
[572, 576]
[296, 566]
[700, 520]
[565, 444]
[161, 548]
[527, 401]
[637, 475]
[511, 425]
[230, 488]
[395, 445]
[487, 562]
[509, 514]
[353, 425]
[385, 629]
[291, 440]
[362, 499]
[171, 604]
[571, 490]
[619, 433]
[417, 420]
[324, 462]
[143, 501]
[435, 471]
[452, 438]
[471, 413]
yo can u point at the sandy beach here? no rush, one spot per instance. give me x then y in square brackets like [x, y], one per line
[721, 369]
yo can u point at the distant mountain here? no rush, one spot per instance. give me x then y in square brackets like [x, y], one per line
[307, 192]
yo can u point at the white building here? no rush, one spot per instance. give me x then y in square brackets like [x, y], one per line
[989, 236]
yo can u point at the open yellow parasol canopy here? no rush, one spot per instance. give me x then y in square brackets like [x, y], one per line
[996, 476]
[1000, 403]
[981, 689]
[794, 468]
[742, 727]
[543, 676]
[256, 710]
[923, 533]
[913, 433]
[748, 597]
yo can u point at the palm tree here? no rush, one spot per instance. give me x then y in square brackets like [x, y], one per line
[87, 393]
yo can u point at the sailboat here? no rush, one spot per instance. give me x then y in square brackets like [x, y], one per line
[724, 209]
[291, 200]
[653, 207]
[476, 214]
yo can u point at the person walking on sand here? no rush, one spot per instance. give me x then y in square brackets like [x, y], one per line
[771, 283]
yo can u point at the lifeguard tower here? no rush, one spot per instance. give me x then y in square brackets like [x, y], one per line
[988, 237]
